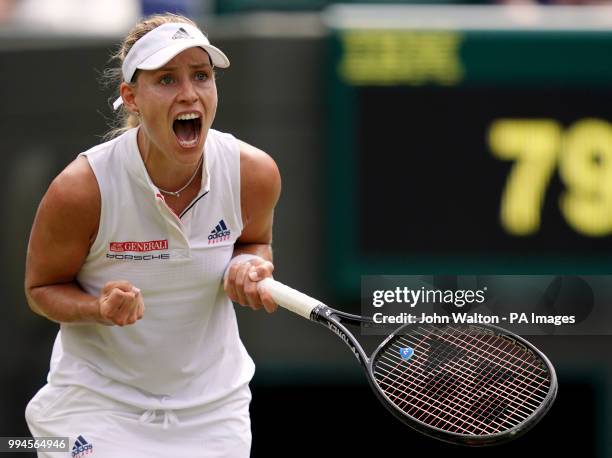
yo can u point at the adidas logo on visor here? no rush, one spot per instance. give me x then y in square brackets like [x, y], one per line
[181, 33]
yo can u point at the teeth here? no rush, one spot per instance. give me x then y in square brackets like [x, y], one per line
[188, 143]
[187, 116]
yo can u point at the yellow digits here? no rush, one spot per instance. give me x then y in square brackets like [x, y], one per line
[584, 156]
[585, 167]
[534, 145]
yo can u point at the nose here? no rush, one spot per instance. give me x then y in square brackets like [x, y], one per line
[187, 92]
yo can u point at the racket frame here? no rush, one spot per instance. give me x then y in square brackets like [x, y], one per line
[336, 322]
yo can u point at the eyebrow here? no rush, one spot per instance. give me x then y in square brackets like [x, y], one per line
[172, 68]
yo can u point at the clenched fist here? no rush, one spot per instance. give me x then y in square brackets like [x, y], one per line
[120, 303]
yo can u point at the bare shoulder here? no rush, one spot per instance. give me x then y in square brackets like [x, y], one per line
[65, 226]
[73, 198]
[78, 172]
[254, 161]
[260, 186]
[259, 173]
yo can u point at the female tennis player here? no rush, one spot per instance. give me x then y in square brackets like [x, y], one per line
[128, 253]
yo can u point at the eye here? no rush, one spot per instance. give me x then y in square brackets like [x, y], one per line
[166, 79]
[201, 76]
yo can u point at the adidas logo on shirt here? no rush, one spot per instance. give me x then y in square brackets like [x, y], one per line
[81, 447]
[219, 233]
[181, 33]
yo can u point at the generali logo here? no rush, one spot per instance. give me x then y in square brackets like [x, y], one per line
[151, 245]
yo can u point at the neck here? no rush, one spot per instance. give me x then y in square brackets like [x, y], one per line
[178, 192]
[169, 175]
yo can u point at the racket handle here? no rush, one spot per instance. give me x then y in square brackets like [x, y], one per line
[289, 298]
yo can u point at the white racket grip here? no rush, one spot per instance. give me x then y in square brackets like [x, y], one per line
[289, 298]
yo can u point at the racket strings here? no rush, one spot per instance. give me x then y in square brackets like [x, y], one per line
[463, 382]
[397, 388]
[428, 405]
[424, 402]
[530, 360]
[489, 402]
[480, 405]
[518, 372]
[484, 366]
[523, 372]
[528, 368]
[418, 404]
[533, 390]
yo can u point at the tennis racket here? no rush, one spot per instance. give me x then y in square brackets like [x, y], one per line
[464, 384]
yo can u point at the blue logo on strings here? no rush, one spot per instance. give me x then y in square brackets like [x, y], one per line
[406, 353]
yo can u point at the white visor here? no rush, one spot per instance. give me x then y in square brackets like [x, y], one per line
[160, 45]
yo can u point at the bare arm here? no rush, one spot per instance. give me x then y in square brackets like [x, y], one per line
[65, 225]
[260, 190]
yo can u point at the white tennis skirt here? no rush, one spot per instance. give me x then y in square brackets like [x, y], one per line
[98, 426]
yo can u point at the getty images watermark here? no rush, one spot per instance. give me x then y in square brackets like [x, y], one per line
[525, 304]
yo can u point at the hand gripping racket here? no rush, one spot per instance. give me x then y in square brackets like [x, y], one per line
[464, 384]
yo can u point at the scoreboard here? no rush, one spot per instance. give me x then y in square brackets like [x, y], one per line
[468, 143]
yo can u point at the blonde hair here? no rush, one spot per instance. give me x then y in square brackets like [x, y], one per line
[113, 76]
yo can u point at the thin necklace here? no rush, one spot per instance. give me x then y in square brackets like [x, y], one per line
[178, 193]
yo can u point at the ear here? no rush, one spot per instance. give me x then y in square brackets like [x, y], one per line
[128, 94]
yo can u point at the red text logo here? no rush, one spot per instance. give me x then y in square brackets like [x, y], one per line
[151, 245]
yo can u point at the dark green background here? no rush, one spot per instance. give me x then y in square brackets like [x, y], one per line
[415, 188]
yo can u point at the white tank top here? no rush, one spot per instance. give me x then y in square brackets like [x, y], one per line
[186, 350]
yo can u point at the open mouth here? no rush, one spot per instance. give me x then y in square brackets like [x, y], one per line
[187, 128]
